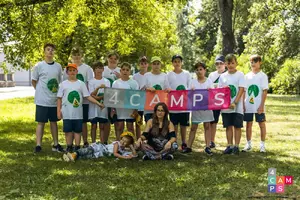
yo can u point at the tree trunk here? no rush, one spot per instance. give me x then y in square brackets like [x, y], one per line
[228, 43]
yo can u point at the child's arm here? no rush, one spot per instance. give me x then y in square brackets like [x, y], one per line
[238, 97]
[59, 115]
[133, 150]
[91, 99]
[95, 92]
[33, 82]
[117, 155]
[262, 104]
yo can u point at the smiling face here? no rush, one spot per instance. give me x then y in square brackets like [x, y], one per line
[231, 65]
[220, 66]
[72, 72]
[112, 61]
[144, 65]
[160, 112]
[255, 62]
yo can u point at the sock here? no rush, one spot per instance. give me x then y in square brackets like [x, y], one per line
[231, 146]
[249, 141]
[262, 143]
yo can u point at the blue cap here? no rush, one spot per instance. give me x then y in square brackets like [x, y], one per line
[220, 58]
[177, 56]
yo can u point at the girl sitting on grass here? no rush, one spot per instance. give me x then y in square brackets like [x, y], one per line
[96, 150]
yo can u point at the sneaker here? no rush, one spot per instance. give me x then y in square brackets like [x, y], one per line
[183, 146]
[187, 150]
[37, 149]
[76, 148]
[169, 157]
[69, 157]
[145, 157]
[208, 151]
[69, 149]
[262, 149]
[228, 150]
[58, 148]
[247, 148]
[85, 145]
[212, 145]
[235, 150]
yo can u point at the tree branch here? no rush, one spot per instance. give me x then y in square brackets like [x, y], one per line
[24, 3]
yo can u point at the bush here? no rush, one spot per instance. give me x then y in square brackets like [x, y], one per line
[287, 80]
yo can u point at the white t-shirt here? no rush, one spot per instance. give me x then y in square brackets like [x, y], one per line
[234, 81]
[72, 94]
[140, 79]
[157, 81]
[109, 74]
[255, 84]
[95, 110]
[85, 74]
[214, 77]
[123, 113]
[101, 150]
[48, 77]
[195, 84]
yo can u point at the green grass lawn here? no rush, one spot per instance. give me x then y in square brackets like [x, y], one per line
[25, 175]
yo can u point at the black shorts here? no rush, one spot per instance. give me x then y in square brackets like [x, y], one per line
[44, 114]
[72, 125]
[113, 119]
[216, 116]
[248, 117]
[85, 108]
[141, 113]
[99, 120]
[127, 120]
[232, 119]
[148, 116]
[180, 118]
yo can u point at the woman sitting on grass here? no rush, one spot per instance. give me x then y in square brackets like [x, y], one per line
[159, 134]
[96, 150]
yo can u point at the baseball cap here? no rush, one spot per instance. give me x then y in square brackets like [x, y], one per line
[220, 58]
[177, 56]
[143, 59]
[72, 65]
[155, 58]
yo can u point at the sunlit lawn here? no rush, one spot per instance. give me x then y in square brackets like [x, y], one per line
[25, 175]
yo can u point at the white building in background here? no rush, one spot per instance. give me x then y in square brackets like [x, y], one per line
[13, 77]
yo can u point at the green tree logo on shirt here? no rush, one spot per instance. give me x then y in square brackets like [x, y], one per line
[157, 87]
[52, 85]
[232, 91]
[180, 87]
[253, 89]
[100, 95]
[111, 81]
[80, 77]
[74, 98]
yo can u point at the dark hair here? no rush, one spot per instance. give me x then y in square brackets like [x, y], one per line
[76, 51]
[129, 138]
[177, 56]
[110, 54]
[230, 57]
[125, 64]
[199, 64]
[49, 45]
[255, 58]
[155, 121]
[97, 64]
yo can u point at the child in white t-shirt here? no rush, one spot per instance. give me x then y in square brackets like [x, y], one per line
[97, 115]
[200, 116]
[69, 106]
[96, 150]
[155, 80]
[179, 79]
[125, 114]
[233, 117]
[140, 79]
[85, 74]
[254, 102]
[46, 77]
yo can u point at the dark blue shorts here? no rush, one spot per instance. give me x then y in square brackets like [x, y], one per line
[72, 125]
[85, 108]
[180, 118]
[127, 120]
[216, 116]
[44, 114]
[248, 117]
[148, 116]
[232, 119]
[99, 120]
[141, 113]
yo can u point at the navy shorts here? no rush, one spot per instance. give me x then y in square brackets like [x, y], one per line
[113, 119]
[216, 116]
[180, 118]
[127, 120]
[44, 114]
[232, 119]
[141, 113]
[85, 108]
[99, 120]
[72, 125]
[248, 117]
[148, 116]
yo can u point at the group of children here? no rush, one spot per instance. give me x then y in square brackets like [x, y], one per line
[78, 99]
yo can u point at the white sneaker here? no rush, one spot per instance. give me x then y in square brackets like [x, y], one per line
[262, 149]
[247, 148]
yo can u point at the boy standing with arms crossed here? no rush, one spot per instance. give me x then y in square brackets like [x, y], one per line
[46, 77]
[233, 117]
[255, 97]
